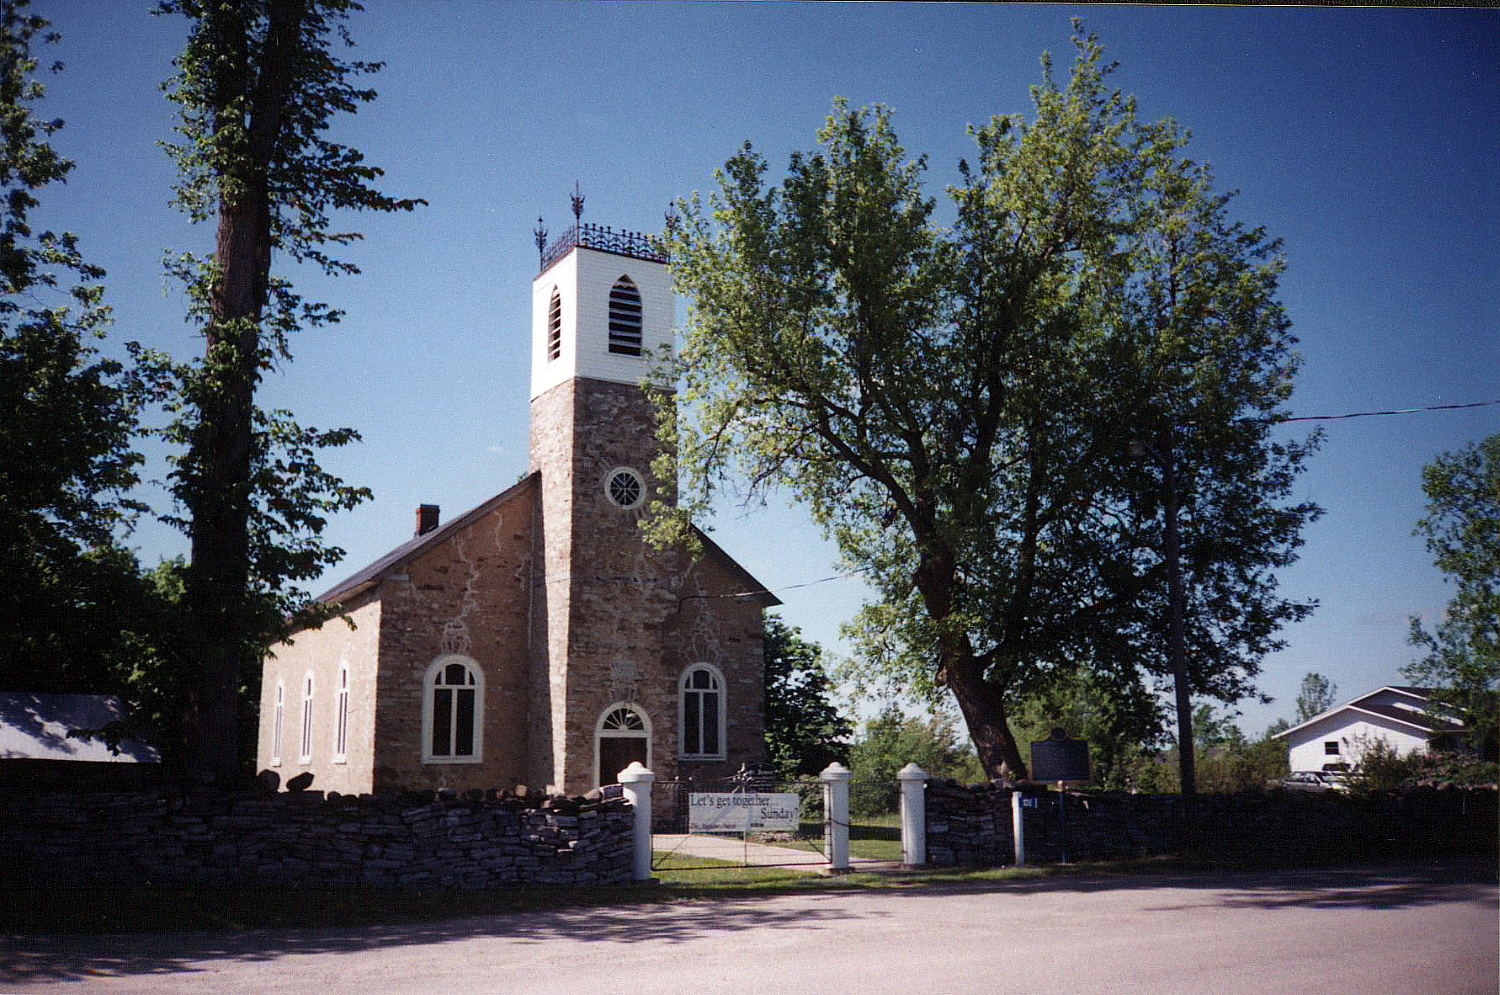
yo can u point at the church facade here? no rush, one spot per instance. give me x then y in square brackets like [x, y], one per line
[537, 639]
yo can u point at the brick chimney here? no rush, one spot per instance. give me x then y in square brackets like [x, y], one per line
[427, 518]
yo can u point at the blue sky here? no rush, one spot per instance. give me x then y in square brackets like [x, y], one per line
[1366, 138]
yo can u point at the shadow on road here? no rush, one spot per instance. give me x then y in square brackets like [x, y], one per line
[45, 958]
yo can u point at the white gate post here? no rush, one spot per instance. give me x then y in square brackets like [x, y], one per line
[913, 815]
[1018, 826]
[635, 784]
[835, 778]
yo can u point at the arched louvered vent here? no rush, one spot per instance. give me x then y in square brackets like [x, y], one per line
[625, 318]
[554, 327]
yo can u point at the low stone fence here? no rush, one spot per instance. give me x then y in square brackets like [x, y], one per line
[971, 824]
[409, 840]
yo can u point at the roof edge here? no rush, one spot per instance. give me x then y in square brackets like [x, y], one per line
[1410, 692]
[367, 577]
[755, 589]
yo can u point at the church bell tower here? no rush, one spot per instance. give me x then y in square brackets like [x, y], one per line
[602, 314]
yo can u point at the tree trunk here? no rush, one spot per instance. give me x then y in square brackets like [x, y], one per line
[981, 703]
[984, 713]
[224, 639]
[218, 578]
[1176, 635]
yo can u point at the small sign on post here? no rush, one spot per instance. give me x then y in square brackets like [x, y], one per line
[1058, 758]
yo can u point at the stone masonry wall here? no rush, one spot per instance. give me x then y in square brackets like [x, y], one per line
[350, 641]
[624, 620]
[971, 824]
[467, 595]
[408, 840]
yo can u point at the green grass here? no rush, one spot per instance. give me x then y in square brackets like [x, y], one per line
[871, 837]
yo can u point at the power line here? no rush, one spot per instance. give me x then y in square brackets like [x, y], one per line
[863, 570]
[1393, 411]
[764, 591]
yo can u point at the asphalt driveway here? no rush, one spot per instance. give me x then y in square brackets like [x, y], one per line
[1427, 927]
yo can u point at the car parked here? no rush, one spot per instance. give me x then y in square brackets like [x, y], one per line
[1313, 780]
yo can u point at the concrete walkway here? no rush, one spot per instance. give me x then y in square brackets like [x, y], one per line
[737, 850]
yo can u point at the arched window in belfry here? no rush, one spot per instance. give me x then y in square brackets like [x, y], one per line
[625, 318]
[554, 326]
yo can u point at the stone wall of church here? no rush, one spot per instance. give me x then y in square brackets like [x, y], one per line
[622, 591]
[634, 616]
[321, 654]
[550, 457]
[714, 624]
[467, 595]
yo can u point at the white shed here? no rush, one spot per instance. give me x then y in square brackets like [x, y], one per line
[1338, 737]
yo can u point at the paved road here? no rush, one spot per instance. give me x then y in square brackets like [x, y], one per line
[1407, 928]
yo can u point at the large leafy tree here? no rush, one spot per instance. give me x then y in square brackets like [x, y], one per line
[1462, 529]
[258, 84]
[804, 730]
[66, 462]
[957, 407]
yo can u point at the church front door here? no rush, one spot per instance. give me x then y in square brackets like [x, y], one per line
[624, 737]
[615, 754]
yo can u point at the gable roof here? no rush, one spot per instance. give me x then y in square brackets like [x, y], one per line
[751, 588]
[35, 726]
[403, 554]
[1415, 718]
[366, 578]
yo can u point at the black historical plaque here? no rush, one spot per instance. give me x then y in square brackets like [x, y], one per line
[1058, 758]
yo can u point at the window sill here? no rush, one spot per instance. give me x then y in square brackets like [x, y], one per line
[453, 760]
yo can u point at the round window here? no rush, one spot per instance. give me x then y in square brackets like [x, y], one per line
[625, 487]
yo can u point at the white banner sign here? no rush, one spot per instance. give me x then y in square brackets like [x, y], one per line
[739, 813]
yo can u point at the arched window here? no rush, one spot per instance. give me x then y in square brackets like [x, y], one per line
[625, 318]
[453, 711]
[341, 717]
[622, 736]
[700, 710]
[278, 719]
[305, 756]
[554, 326]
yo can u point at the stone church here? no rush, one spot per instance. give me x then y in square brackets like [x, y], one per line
[537, 639]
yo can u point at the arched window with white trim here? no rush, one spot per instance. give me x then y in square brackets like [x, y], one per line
[625, 318]
[453, 711]
[277, 721]
[621, 736]
[305, 753]
[701, 713]
[341, 717]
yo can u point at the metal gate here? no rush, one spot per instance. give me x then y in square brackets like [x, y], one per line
[680, 845]
[875, 842]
